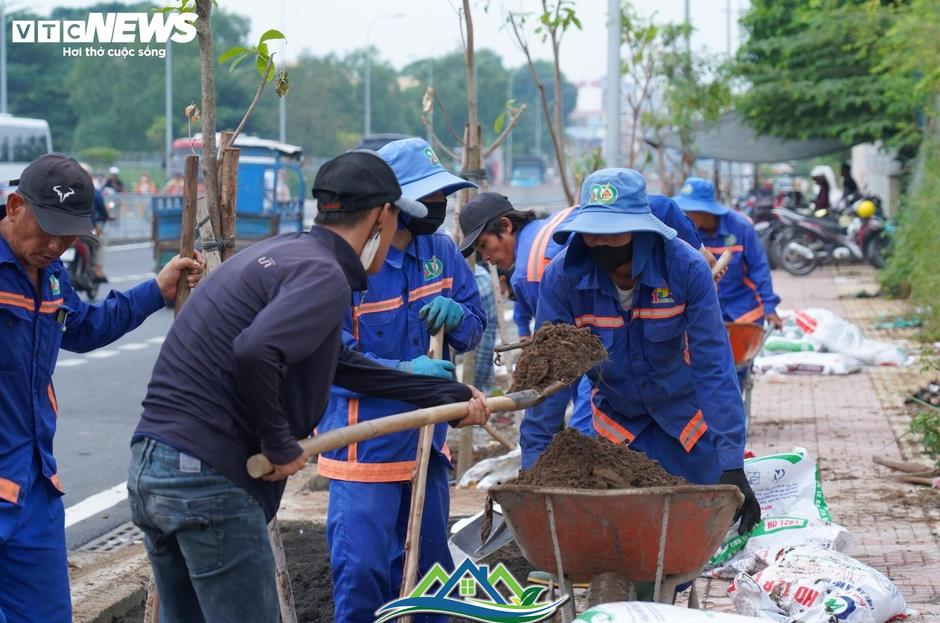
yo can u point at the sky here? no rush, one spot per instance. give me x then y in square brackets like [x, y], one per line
[406, 30]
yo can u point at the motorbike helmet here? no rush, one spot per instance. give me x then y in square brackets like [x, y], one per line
[113, 171]
[866, 208]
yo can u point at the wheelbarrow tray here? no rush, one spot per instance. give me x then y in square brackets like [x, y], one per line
[746, 339]
[619, 530]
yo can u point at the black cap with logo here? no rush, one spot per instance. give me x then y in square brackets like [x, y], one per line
[478, 212]
[60, 193]
[359, 180]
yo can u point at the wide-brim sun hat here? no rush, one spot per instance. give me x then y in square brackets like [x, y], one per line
[613, 201]
[419, 170]
[698, 195]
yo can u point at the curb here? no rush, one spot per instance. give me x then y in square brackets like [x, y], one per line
[108, 585]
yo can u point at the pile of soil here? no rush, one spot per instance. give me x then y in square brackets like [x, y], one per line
[576, 461]
[308, 563]
[557, 352]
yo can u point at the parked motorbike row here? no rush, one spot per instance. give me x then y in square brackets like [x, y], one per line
[798, 238]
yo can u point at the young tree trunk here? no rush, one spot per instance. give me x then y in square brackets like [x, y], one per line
[207, 73]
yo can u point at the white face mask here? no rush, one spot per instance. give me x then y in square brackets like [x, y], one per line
[370, 249]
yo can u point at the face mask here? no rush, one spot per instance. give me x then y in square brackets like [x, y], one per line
[611, 258]
[437, 210]
[370, 249]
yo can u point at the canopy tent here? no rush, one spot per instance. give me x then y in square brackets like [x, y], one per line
[730, 138]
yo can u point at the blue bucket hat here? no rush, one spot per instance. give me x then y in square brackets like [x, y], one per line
[613, 201]
[418, 169]
[698, 195]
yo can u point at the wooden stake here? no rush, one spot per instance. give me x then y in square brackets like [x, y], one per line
[285, 595]
[418, 487]
[188, 231]
[228, 180]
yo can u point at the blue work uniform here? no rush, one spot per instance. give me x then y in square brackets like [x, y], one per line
[669, 387]
[34, 583]
[535, 244]
[746, 292]
[370, 488]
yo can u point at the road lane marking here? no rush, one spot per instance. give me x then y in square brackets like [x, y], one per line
[102, 354]
[133, 346]
[157, 340]
[70, 363]
[91, 506]
[132, 246]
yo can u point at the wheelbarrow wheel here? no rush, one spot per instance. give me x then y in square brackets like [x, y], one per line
[609, 587]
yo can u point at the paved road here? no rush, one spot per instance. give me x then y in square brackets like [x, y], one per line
[99, 397]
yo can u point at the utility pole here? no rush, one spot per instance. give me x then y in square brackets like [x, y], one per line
[3, 58]
[431, 111]
[728, 33]
[612, 147]
[688, 22]
[168, 109]
[507, 161]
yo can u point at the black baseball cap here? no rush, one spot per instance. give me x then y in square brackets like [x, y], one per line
[475, 216]
[359, 180]
[61, 194]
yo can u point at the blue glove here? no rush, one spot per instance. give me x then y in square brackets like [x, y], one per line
[442, 313]
[429, 367]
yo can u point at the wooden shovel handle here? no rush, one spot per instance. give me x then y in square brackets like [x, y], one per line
[723, 260]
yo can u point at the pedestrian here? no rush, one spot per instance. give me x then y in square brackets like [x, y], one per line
[145, 185]
[523, 245]
[114, 181]
[174, 185]
[40, 313]
[424, 286]
[247, 367]
[668, 388]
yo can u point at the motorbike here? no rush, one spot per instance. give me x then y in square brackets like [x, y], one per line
[768, 227]
[854, 231]
[79, 261]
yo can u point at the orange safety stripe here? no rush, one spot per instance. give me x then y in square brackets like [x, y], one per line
[9, 490]
[52, 400]
[659, 313]
[603, 322]
[686, 356]
[378, 306]
[752, 316]
[24, 302]
[716, 251]
[431, 288]
[693, 431]
[365, 472]
[536, 263]
[54, 479]
[607, 427]
[352, 417]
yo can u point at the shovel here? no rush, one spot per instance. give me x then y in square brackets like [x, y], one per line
[259, 465]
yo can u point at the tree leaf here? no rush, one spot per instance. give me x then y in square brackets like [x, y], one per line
[281, 84]
[231, 53]
[499, 122]
[271, 34]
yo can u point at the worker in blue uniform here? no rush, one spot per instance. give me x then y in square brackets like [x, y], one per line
[40, 313]
[425, 286]
[746, 292]
[668, 388]
[516, 242]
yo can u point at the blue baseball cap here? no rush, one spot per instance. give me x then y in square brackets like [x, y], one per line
[698, 195]
[613, 201]
[418, 169]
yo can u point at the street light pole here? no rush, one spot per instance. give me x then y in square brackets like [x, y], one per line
[168, 109]
[3, 57]
[367, 78]
[613, 84]
[507, 165]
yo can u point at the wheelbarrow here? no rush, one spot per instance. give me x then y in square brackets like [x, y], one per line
[620, 538]
[747, 340]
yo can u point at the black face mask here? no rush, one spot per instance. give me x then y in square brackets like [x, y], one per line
[437, 210]
[611, 258]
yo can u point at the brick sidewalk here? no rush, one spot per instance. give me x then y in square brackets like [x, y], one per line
[844, 421]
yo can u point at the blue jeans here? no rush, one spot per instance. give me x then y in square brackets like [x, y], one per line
[207, 539]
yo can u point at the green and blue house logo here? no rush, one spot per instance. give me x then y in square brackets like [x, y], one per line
[471, 592]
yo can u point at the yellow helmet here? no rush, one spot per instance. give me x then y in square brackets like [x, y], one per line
[866, 209]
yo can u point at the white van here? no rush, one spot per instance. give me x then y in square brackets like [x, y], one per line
[22, 140]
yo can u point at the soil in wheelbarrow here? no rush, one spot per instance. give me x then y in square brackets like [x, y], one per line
[557, 352]
[308, 563]
[577, 461]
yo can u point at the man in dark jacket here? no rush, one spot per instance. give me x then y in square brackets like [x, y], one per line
[247, 368]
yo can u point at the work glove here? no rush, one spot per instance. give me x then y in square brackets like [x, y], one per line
[440, 368]
[442, 313]
[749, 511]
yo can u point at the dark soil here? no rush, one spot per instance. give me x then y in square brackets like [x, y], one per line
[557, 352]
[308, 563]
[576, 461]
